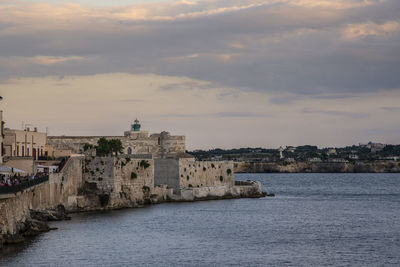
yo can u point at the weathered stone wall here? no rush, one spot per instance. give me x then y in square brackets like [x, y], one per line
[60, 189]
[166, 172]
[159, 145]
[205, 173]
[252, 189]
[126, 180]
[185, 173]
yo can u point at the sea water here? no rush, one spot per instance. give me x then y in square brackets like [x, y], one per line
[314, 220]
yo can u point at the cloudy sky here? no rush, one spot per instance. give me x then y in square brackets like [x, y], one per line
[225, 73]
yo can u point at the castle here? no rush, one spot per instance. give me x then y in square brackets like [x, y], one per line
[155, 164]
[135, 142]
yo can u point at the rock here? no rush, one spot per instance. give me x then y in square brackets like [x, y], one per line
[13, 239]
[57, 214]
[1, 241]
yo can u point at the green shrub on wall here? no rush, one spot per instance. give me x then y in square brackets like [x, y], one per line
[229, 171]
[187, 177]
[145, 189]
[145, 164]
[212, 165]
[204, 169]
[104, 199]
[82, 190]
[190, 185]
[221, 178]
[133, 175]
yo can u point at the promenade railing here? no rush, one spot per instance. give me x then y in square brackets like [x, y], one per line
[22, 186]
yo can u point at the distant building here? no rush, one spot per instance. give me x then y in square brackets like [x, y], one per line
[281, 152]
[290, 160]
[290, 149]
[353, 156]
[314, 160]
[338, 160]
[376, 147]
[24, 143]
[331, 151]
[1, 137]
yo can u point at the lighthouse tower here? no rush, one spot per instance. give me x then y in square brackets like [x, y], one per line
[281, 152]
[135, 132]
[136, 126]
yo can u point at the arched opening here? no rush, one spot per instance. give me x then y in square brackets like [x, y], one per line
[129, 151]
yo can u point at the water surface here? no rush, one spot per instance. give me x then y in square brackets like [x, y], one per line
[314, 220]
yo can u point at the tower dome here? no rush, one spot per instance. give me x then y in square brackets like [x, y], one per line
[136, 126]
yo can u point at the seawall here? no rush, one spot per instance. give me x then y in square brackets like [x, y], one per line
[106, 183]
[60, 189]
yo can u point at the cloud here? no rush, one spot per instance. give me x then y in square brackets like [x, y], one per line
[391, 109]
[352, 32]
[236, 114]
[288, 47]
[354, 115]
[48, 60]
[106, 104]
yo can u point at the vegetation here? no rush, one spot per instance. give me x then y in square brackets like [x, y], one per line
[107, 147]
[133, 175]
[305, 153]
[87, 146]
[229, 171]
[82, 190]
[144, 163]
[145, 189]
[221, 178]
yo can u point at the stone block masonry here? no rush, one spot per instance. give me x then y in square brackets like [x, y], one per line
[15, 209]
[187, 173]
[126, 181]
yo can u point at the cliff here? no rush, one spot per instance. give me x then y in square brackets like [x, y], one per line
[319, 167]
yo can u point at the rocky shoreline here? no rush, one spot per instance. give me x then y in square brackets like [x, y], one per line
[318, 167]
[36, 224]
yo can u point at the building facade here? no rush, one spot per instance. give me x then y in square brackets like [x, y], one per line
[1, 136]
[24, 143]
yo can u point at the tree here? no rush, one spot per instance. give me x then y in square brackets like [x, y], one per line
[106, 147]
[103, 147]
[116, 146]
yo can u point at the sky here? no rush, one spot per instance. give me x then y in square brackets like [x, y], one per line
[225, 73]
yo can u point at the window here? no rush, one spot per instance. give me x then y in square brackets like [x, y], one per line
[129, 151]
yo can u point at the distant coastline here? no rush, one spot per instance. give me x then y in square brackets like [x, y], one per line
[318, 167]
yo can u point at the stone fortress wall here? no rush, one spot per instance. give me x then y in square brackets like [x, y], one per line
[60, 189]
[160, 145]
[181, 174]
[128, 181]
